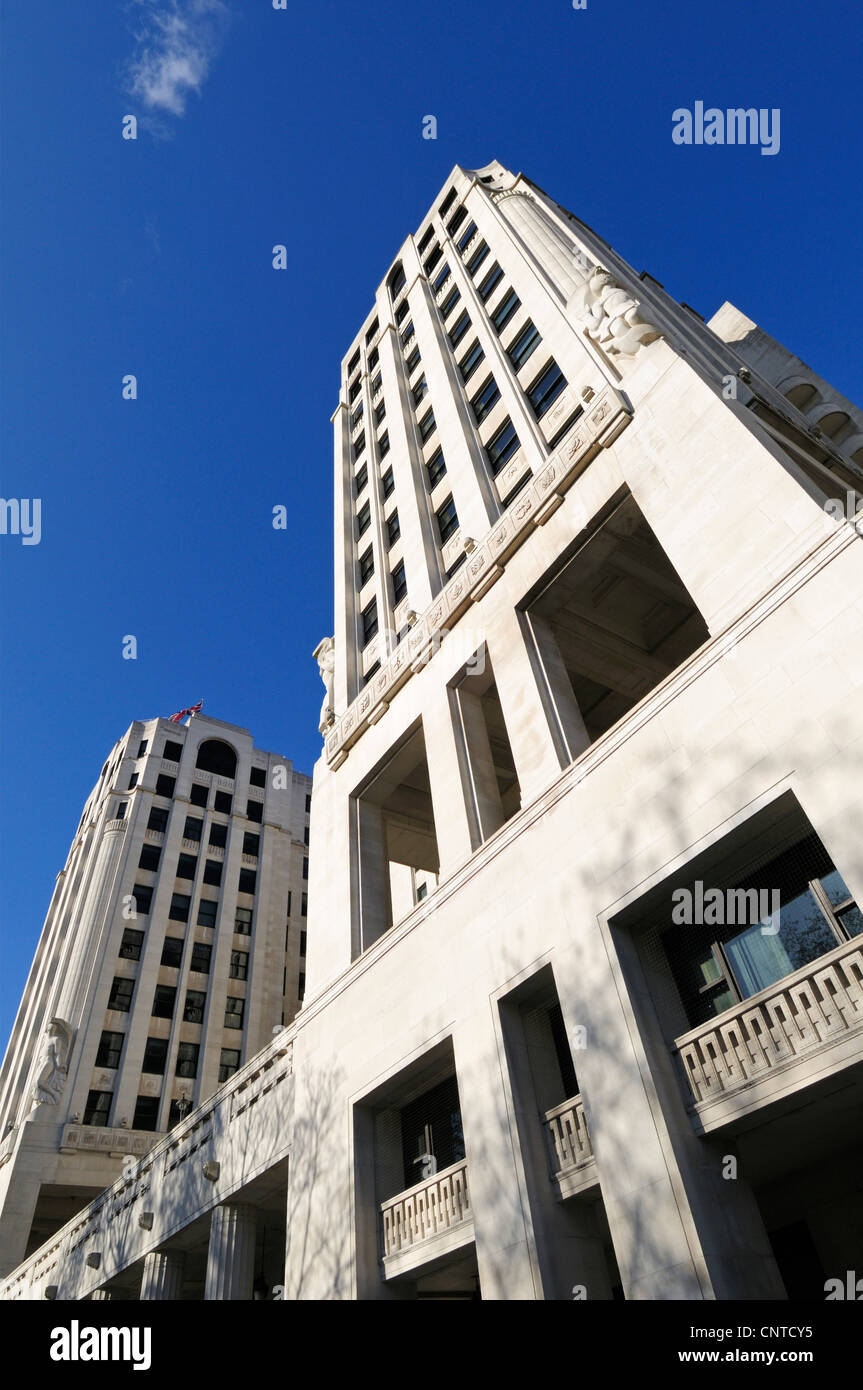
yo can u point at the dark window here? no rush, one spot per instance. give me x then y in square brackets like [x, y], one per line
[436, 468]
[239, 969]
[459, 328]
[255, 811]
[380, 412]
[413, 361]
[427, 425]
[502, 446]
[207, 912]
[304, 905]
[505, 310]
[133, 782]
[130, 946]
[243, 921]
[524, 345]
[303, 939]
[179, 909]
[193, 829]
[432, 260]
[442, 277]
[257, 777]
[229, 1061]
[305, 868]
[218, 835]
[400, 583]
[393, 528]
[248, 881]
[214, 755]
[456, 221]
[193, 1009]
[370, 621]
[143, 896]
[431, 1125]
[447, 203]
[251, 843]
[142, 748]
[305, 835]
[222, 802]
[234, 1009]
[354, 362]
[213, 872]
[155, 1056]
[164, 999]
[121, 995]
[389, 483]
[301, 984]
[486, 398]
[308, 802]
[199, 794]
[158, 819]
[377, 384]
[371, 332]
[447, 520]
[420, 390]
[491, 282]
[187, 1059]
[408, 334]
[401, 311]
[98, 1106]
[361, 479]
[186, 866]
[546, 389]
[364, 518]
[172, 751]
[374, 358]
[477, 258]
[354, 390]
[360, 445]
[384, 445]
[366, 566]
[357, 415]
[109, 1050]
[164, 785]
[398, 280]
[201, 954]
[466, 236]
[450, 302]
[425, 241]
[146, 1113]
[172, 951]
[471, 361]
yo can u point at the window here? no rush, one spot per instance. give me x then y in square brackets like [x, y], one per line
[305, 868]
[146, 1113]
[193, 1009]
[425, 240]
[427, 425]
[422, 891]
[164, 784]
[524, 345]
[401, 311]
[436, 468]
[201, 954]
[243, 921]
[121, 995]
[234, 1009]
[442, 277]
[308, 802]
[357, 415]
[400, 583]
[251, 843]
[447, 520]
[374, 358]
[186, 866]
[255, 811]
[432, 260]
[485, 399]
[187, 1060]
[257, 777]
[502, 446]
[370, 621]
[420, 390]
[304, 905]
[354, 362]
[193, 829]
[477, 258]
[384, 445]
[546, 389]
[491, 282]
[301, 984]
[456, 221]
[98, 1106]
[360, 445]
[164, 999]
[199, 794]
[303, 940]
[389, 483]
[305, 835]
[377, 384]
[223, 802]
[364, 519]
[505, 310]
[207, 912]
[459, 328]
[362, 478]
[218, 835]
[366, 566]
[229, 1061]
[248, 881]
[179, 909]
[398, 280]
[354, 391]
[469, 364]
[143, 897]
[371, 332]
[172, 951]
[450, 302]
[413, 361]
[158, 819]
[380, 412]
[133, 782]
[447, 203]
[172, 751]
[109, 1050]
[130, 946]
[239, 965]
[142, 748]
[408, 334]
[155, 1056]
[393, 528]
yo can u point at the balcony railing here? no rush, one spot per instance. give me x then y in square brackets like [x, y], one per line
[568, 1137]
[433, 1206]
[820, 1004]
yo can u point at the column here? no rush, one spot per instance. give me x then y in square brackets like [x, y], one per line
[451, 821]
[537, 755]
[163, 1275]
[375, 907]
[555, 688]
[231, 1254]
[480, 764]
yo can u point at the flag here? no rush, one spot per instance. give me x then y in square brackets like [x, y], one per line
[181, 713]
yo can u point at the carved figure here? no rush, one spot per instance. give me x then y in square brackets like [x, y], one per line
[51, 1076]
[325, 655]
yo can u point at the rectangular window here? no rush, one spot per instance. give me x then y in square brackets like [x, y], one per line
[401, 311]
[477, 259]
[243, 921]
[120, 813]
[201, 954]
[186, 866]
[194, 828]
[158, 819]
[305, 835]
[172, 951]
[360, 445]
[427, 425]
[133, 782]
[389, 483]
[130, 946]
[98, 1106]
[413, 361]
[109, 1050]
[370, 621]
[364, 518]
[420, 390]
[380, 412]
[239, 968]
[450, 302]
[442, 277]
[400, 583]
[164, 999]
[308, 802]
[366, 566]
[354, 391]
[207, 912]
[251, 843]
[121, 995]
[155, 1056]
[524, 345]
[502, 446]
[143, 897]
[179, 909]
[357, 415]
[361, 479]
[384, 444]
[199, 794]
[456, 221]
[491, 282]
[303, 939]
[234, 1010]
[505, 310]
[436, 468]
[229, 1062]
[447, 203]
[354, 362]
[218, 835]
[255, 811]
[377, 384]
[248, 881]
[305, 868]
[222, 802]
[146, 1113]
[187, 1060]
[447, 520]
[257, 777]
[301, 985]
[172, 751]
[459, 328]
[193, 1009]
[142, 748]
[546, 389]
[165, 785]
[407, 334]
[374, 358]
[471, 361]
[213, 872]
[393, 528]
[466, 236]
[485, 399]
[371, 333]
[304, 905]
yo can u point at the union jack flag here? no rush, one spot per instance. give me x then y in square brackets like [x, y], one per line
[181, 713]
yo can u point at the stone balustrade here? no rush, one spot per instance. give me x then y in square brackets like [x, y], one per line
[569, 1140]
[435, 1205]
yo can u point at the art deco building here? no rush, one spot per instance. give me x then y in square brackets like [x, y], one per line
[173, 948]
[584, 1007]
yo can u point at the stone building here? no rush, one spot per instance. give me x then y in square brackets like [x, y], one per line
[172, 949]
[584, 1005]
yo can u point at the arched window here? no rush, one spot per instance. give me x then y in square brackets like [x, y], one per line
[803, 395]
[836, 425]
[218, 757]
[397, 281]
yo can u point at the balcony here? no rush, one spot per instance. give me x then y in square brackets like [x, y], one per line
[427, 1220]
[785, 1037]
[573, 1164]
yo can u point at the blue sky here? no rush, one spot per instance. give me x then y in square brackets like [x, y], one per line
[153, 257]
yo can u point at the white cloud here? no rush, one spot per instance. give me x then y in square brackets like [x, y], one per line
[176, 46]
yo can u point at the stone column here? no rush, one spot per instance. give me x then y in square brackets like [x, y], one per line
[483, 779]
[163, 1275]
[537, 754]
[231, 1255]
[555, 689]
[452, 826]
[374, 880]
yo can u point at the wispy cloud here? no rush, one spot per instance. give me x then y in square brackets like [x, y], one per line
[176, 45]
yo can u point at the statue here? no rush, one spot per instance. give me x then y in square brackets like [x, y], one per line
[611, 317]
[325, 655]
[51, 1076]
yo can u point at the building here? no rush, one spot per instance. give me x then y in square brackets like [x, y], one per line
[173, 948]
[584, 1006]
